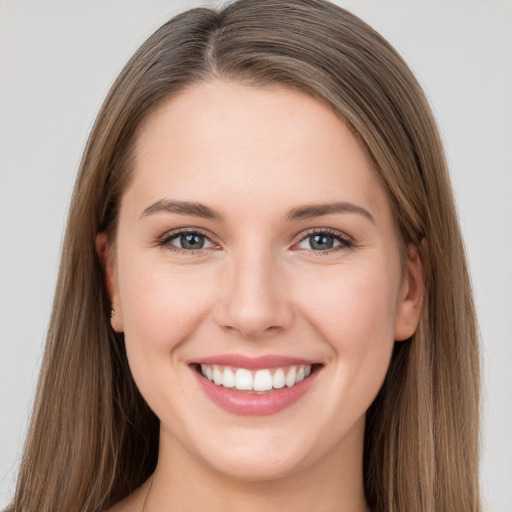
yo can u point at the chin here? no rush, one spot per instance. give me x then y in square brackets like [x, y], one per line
[260, 454]
[258, 467]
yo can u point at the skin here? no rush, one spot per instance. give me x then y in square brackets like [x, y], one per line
[257, 287]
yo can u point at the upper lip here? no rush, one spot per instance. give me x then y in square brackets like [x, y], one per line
[252, 363]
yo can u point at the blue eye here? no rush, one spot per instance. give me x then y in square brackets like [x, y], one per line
[188, 240]
[323, 241]
[318, 241]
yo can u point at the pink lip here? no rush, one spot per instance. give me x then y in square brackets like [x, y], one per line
[245, 404]
[252, 363]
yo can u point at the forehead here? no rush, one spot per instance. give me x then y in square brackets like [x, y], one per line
[220, 140]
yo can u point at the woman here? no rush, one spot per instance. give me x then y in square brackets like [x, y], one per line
[208, 352]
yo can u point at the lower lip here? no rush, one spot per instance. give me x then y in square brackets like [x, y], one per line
[245, 404]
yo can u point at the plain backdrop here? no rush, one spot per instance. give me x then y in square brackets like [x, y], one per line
[57, 61]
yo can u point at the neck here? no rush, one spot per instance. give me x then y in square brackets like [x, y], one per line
[334, 483]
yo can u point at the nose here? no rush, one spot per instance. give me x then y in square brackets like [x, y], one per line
[254, 301]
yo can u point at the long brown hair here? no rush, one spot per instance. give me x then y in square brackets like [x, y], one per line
[92, 438]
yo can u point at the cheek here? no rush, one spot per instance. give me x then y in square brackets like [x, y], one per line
[354, 310]
[355, 303]
[161, 308]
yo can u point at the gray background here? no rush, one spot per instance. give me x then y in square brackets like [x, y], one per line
[57, 60]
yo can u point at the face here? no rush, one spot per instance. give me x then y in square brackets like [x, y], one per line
[257, 278]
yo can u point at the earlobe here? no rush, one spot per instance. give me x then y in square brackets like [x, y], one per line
[106, 256]
[411, 297]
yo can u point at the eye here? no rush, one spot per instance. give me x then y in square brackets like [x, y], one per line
[187, 241]
[324, 241]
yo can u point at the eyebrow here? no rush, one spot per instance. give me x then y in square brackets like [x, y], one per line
[182, 208]
[300, 213]
[317, 210]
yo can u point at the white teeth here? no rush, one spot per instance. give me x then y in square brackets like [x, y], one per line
[290, 379]
[278, 379]
[243, 380]
[228, 378]
[259, 381]
[217, 376]
[262, 380]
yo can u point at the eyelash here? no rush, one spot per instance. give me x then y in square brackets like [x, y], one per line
[165, 241]
[345, 242]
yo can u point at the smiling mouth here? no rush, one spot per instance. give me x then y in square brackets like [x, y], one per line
[261, 381]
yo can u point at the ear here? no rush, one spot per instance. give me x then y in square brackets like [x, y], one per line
[412, 291]
[106, 255]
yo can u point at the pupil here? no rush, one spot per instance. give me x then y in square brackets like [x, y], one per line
[191, 241]
[320, 242]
